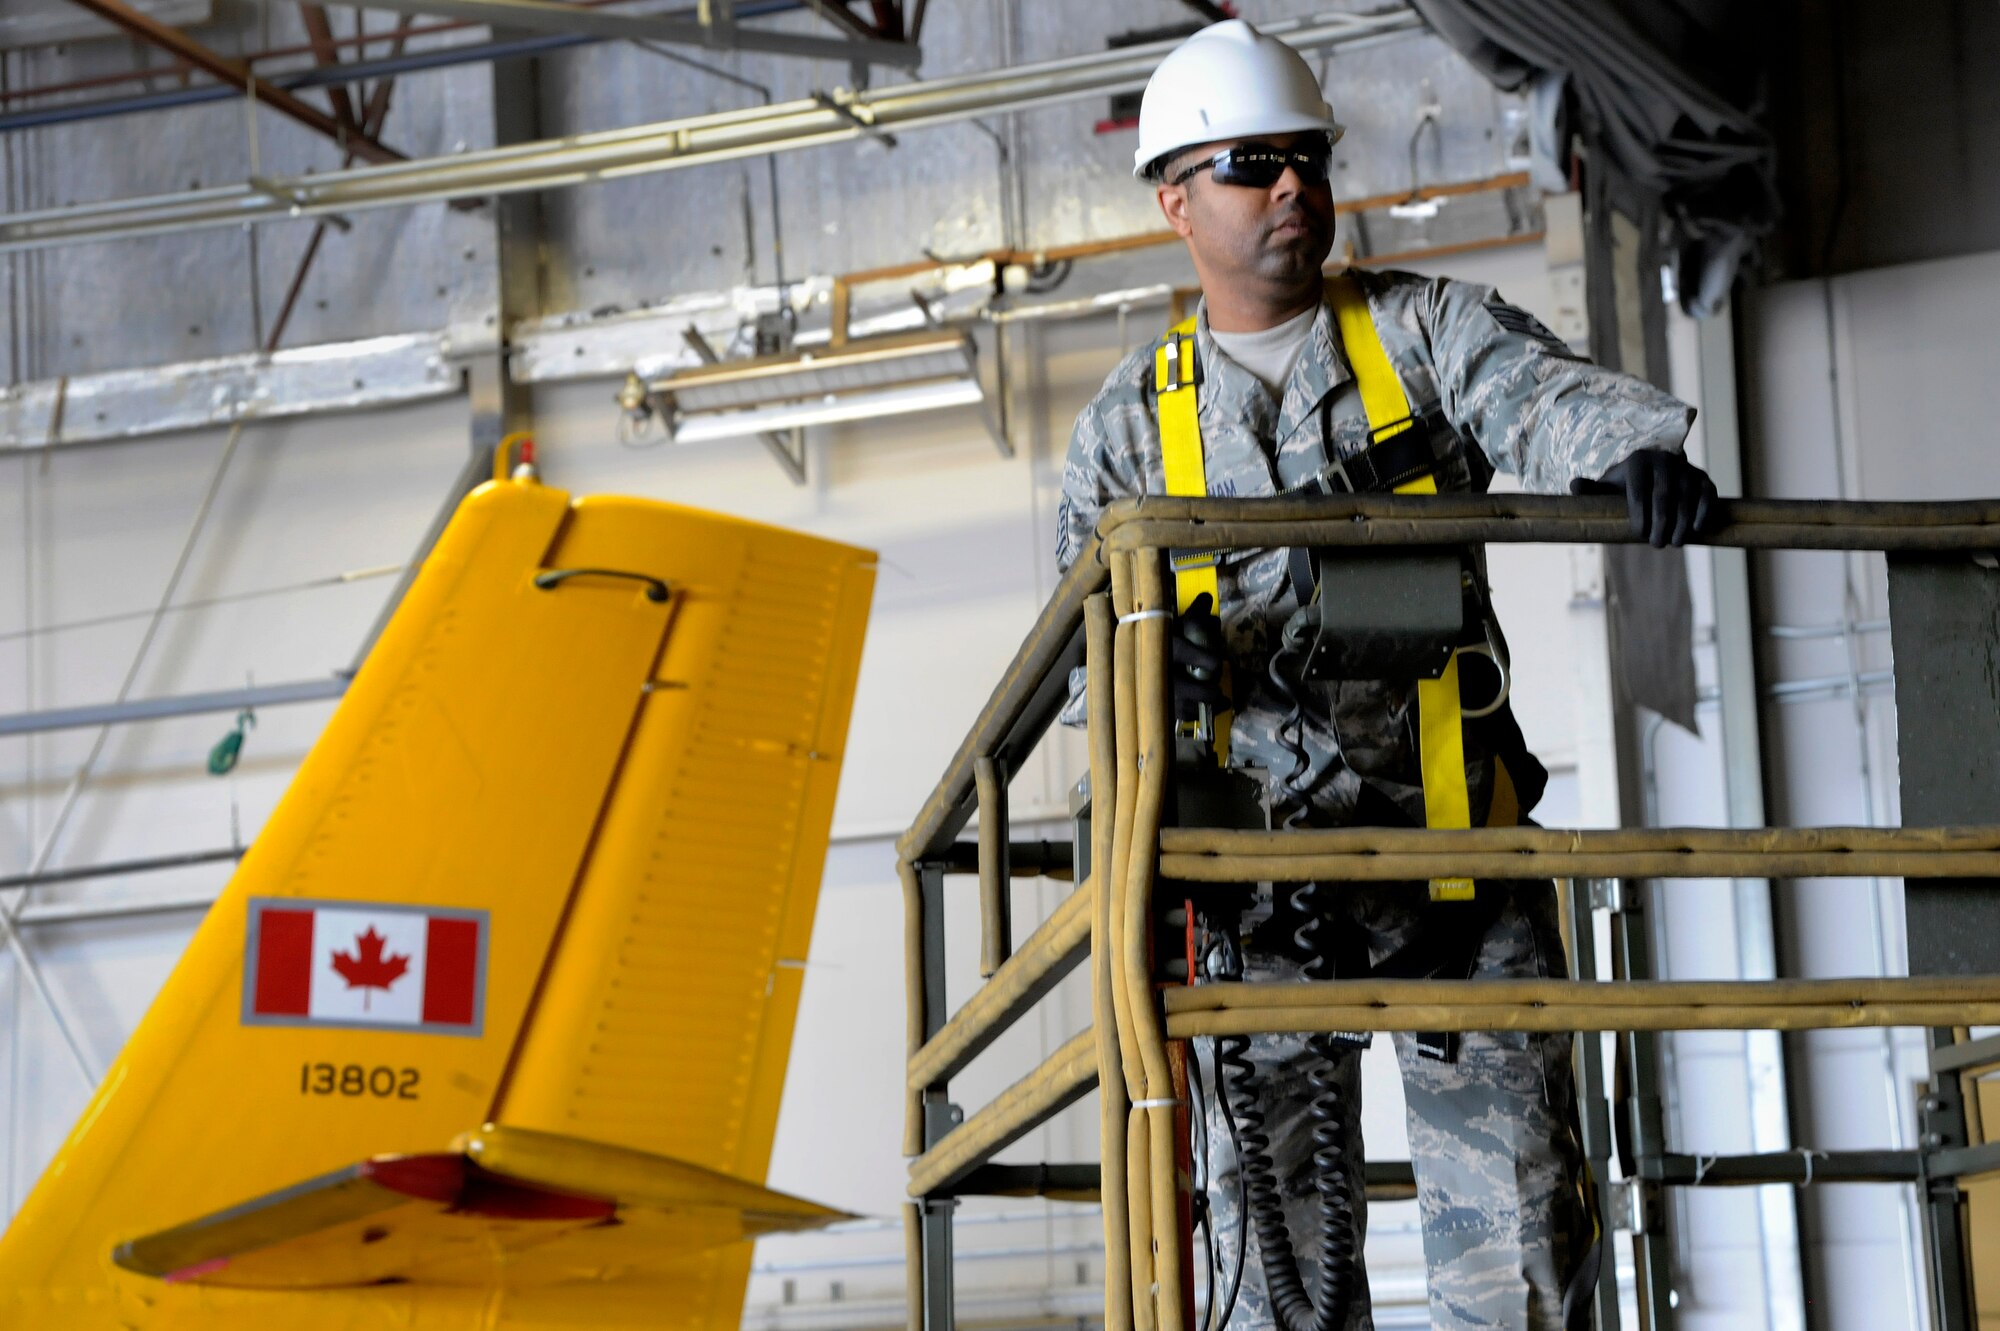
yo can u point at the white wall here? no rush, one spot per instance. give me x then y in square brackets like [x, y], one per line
[1875, 387]
[965, 539]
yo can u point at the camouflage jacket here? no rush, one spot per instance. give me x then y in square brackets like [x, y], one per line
[1532, 407]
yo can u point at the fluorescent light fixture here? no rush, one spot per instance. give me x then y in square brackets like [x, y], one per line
[893, 375]
[828, 410]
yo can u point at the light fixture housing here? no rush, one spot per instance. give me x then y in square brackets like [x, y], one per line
[862, 379]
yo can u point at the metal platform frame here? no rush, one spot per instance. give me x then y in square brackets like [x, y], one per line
[1945, 609]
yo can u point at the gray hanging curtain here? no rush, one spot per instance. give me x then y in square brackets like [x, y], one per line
[1665, 90]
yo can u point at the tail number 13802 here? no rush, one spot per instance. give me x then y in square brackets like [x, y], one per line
[352, 1079]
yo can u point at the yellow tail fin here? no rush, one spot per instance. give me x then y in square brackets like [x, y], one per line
[551, 868]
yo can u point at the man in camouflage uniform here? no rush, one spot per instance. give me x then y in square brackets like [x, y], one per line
[1507, 1227]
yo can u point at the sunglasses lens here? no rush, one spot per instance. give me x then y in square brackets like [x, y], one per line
[1260, 167]
[1258, 170]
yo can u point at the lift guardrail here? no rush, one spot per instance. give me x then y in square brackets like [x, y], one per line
[1101, 617]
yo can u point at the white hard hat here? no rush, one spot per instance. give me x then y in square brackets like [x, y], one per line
[1228, 81]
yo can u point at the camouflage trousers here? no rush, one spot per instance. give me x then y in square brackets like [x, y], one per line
[1493, 1135]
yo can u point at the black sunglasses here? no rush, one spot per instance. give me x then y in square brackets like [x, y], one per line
[1258, 165]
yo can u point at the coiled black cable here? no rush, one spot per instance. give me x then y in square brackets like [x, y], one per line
[1265, 1206]
[1295, 1308]
[1326, 1109]
[1281, 670]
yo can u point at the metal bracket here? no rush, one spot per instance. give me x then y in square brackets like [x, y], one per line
[1613, 895]
[866, 124]
[789, 455]
[1627, 1206]
[940, 1117]
[1965, 1055]
[716, 21]
[297, 202]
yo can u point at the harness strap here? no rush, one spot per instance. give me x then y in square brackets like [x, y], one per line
[1187, 474]
[1440, 723]
[1377, 469]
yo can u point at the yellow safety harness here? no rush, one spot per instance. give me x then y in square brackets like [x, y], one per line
[1440, 719]
[1187, 474]
[1440, 727]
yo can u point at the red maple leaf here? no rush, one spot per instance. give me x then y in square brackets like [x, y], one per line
[367, 968]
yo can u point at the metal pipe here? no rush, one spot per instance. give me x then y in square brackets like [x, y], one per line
[1082, 1183]
[1025, 859]
[119, 868]
[1809, 631]
[186, 704]
[1853, 683]
[913, 1000]
[1801, 1168]
[913, 1265]
[78, 913]
[665, 145]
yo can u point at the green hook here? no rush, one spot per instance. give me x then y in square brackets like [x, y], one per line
[222, 758]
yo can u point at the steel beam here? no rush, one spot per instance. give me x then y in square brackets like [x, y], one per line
[1640, 1128]
[1798, 1168]
[321, 76]
[839, 15]
[235, 73]
[661, 146]
[216, 392]
[936, 1300]
[319, 31]
[1593, 1101]
[544, 16]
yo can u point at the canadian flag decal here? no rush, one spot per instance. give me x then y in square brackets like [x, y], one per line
[346, 963]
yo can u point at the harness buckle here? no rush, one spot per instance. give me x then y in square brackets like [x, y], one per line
[1167, 368]
[1336, 471]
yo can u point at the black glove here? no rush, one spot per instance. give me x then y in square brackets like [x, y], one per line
[1196, 656]
[1668, 497]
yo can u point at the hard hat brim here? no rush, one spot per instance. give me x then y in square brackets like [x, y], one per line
[1247, 127]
